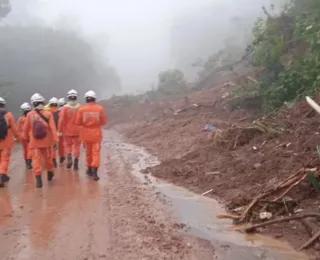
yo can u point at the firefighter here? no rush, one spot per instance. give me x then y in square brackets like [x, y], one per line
[53, 108]
[69, 130]
[43, 135]
[91, 117]
[61, 102]
[25, 108]
[8, 130]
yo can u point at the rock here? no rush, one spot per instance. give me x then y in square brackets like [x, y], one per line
[257, 165]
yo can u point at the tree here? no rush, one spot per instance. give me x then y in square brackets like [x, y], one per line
[287, 46]
[171, 82]
[39, 59]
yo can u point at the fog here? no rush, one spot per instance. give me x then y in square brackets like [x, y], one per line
[115, 46]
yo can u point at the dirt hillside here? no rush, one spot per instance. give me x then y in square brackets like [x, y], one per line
[238, 161]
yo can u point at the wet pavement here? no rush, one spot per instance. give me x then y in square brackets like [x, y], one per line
[127, 215]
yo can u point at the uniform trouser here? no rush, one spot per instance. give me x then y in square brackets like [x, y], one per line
[61, 146]
[39, 154]
[93, 154]
[27, 154]
[72, 144]
[5, 155]
[53, 153]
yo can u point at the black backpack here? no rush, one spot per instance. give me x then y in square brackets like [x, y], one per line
[3, 125]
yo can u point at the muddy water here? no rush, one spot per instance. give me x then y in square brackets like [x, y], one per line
[199, 214]
[54, 222]
[76, 218]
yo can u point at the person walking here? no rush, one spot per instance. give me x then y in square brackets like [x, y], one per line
[27, 155]
[8, 130]
[53, 108]
[43, 135]
[69, 130]
[61, 103]
[91, 117]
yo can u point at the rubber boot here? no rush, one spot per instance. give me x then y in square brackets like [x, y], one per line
[54, 162]
[39, 181]
[3, 179]
[69, 161]
[95, 176]
[29, 164]
[62, 159]
[50, 176]
[89, 171]
[6, 178]
[76, 164]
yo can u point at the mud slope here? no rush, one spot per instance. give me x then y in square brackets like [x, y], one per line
[243, 162]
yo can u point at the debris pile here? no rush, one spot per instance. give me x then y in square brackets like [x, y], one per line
[265, 170]
[239, 135]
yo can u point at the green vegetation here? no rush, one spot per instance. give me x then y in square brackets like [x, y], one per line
[171, 82]
[287, 47]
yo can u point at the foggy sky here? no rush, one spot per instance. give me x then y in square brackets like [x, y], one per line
[136, 34]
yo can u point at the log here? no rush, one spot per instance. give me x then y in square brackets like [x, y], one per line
[252, 204]
[207, 192]
[291, 187]
[288, 182]
[280, 220]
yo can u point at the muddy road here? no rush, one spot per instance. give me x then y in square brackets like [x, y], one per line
[127, 215]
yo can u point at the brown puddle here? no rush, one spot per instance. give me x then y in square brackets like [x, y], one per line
[199, 213]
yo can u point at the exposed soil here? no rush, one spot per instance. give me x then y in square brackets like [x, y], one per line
[75, 218]
[241, 162]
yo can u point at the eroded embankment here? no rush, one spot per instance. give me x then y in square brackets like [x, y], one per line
[241, 162]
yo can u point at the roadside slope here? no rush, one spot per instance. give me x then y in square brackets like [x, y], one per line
[239, 161]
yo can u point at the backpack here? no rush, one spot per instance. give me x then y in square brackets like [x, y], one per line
[39, 130]
[56, 117]
[3, 125]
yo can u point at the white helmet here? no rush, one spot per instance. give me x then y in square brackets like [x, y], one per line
[25, 106]
[90, 94]
[61, 101]
[72, 93]
[2, 101]
[37, 98]
[53, 100]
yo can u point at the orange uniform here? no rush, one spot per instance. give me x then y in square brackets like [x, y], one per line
[41, 148]
[70, 131]
[91, 117]
[53, 110]
[27, 154]
[7, 144]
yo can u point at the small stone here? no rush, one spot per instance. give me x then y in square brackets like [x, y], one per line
[257, 165]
